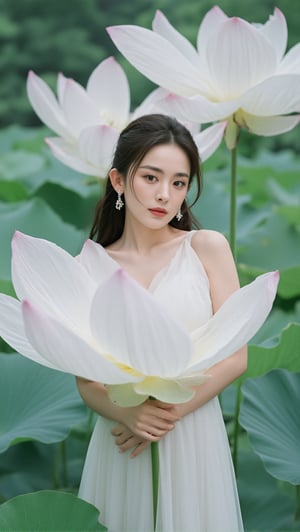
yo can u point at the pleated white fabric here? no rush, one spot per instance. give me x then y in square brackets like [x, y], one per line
[197, 489]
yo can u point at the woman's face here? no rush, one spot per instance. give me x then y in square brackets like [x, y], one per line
[159, 186]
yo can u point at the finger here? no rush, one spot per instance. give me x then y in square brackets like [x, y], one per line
[163, 414]
[139, 449]
[131, 443]
[123, 438]
[117, 429]
[156, 426]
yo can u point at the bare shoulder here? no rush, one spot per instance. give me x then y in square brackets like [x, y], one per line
[214, 252]
[209, 243]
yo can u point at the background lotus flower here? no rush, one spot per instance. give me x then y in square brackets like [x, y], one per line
[239, 72]
[66, 314]
[88, 121]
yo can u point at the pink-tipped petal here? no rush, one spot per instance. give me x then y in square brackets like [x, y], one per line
[109, 89]
[79, 109]
[235, 323]
[49, 277]
[275, 30]
[128, 322]
[162, 26]
[68, 351]
[13, 332]
[209, 26]
[45, 105]
[239, 57]
[157, 59]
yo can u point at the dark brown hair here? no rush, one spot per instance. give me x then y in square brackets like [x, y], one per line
[134, 143]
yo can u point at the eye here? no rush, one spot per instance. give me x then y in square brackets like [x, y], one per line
[150, 178]
[180, 184]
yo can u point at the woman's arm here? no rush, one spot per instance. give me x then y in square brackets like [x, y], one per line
[215, 254]
[147, 422]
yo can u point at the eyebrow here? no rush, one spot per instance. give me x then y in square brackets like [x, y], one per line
[159, 170]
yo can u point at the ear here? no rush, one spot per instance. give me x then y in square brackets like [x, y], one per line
[116, 180]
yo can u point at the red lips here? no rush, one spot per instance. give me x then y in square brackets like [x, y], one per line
[158, 211]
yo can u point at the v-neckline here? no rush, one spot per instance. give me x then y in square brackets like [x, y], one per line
[164, 269]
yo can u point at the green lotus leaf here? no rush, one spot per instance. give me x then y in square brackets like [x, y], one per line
[273, 245]
[260, 491]
[48, 511]
[37, 403]
[270, 415]
[285, 354]
[35, 218]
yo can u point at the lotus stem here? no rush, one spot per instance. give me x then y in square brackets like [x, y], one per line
[297, 512]
[155, 475]
[233, 198]
[236, 429]
[232, 241]
[63, 454]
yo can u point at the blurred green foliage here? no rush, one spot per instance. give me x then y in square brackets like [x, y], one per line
[69, 36]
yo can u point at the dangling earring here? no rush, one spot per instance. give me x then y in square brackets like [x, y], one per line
[119, 202]
[179, 215]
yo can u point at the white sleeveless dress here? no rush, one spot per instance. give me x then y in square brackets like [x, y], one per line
[197, 488]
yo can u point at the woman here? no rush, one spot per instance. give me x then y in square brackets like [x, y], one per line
[145, 225]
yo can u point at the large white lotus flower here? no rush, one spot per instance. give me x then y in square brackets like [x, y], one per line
[239, 72]
[87, 317]
[88, 121]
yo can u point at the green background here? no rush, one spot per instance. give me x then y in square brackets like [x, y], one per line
[44, 426]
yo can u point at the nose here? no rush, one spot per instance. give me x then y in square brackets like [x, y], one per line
[162, 194]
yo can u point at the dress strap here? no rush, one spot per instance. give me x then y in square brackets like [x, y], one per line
[190, 235]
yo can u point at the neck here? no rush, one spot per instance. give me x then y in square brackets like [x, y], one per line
[139, 238]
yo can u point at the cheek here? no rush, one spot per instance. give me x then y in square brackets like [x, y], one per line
[140, 190]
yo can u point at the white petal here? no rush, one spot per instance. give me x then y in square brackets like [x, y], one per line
[291, 61]
[275, 30]
[194, 379]
[277, 95]
[169, 391]
[124, 395]
[157, 59]
[238, 57]
[210, 139]
[79, 110]
[97, 145]
[199, 109]
[131, 326]
[271, 125]
[67, 351]
[45, 105]
[96, 261]
[162, 26]
[109, 89]
[235, 323]
[210, 24]
[13, 332]
[68, 154]
[61, 85]
[49, 277]
[151, 104]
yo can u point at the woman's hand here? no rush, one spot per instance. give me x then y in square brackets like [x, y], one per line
[126, 440]
[151, 420]
[143, 424]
